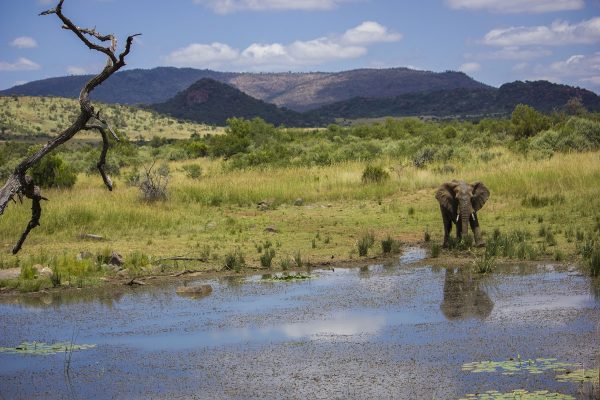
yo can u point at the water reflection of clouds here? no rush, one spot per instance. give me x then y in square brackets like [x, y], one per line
[345, 325]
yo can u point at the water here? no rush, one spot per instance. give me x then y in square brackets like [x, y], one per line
[381, 331]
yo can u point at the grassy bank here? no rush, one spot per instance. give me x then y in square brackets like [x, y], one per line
[553, 203]
[262, 196]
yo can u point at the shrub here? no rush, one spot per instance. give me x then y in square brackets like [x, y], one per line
[267, 257]
[424, 156]
[365, 243]
[52, 171]
[389, 245]
[484, 264]
[527, 122]
[298, 259]
[285, 263]
[594, 261]
[153, 184]
[234, 261]
[374, 174]
[193, 171]
[435, 250]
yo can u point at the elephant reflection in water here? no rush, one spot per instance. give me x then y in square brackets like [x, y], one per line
[463, 298]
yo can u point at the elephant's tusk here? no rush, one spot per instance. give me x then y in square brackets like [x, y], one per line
[473, 215]
[457, 217]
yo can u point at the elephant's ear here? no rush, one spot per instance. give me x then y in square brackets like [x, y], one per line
[445, 196]
[480, 195]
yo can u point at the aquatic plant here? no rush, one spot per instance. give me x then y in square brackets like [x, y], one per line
[518, 394]
[286, 278]
[579, 375]
[42, 349]
[513, 366]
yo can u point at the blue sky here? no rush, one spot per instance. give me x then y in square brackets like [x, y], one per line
[494, 41]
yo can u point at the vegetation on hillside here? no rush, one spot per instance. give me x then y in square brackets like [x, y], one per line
[313, 193]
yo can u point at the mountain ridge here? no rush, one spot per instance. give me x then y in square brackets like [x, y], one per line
[299, 91]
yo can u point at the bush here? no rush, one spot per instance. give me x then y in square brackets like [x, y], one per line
[153, 185]
[527, 122]
[374, 174]
[192, 171]
[234, 261]
[424, 156]
[365, 243]
[435, 250]
[389, 245]
[267, 257]
[52, 171]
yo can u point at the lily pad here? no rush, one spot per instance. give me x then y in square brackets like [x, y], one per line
[287, 278]
[42, 349]
[579, 375]
[519, 394]
[511, 367]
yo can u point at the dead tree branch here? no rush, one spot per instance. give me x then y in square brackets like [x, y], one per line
[21, 185]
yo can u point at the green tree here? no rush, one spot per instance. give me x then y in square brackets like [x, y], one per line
[527, 121]
[53, 171]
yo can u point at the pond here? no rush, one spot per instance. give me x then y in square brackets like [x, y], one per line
[382, 331]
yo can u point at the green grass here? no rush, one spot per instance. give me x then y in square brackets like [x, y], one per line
[41, 117]
[539, 208]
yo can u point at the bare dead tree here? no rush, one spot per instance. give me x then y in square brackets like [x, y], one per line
[21, 185]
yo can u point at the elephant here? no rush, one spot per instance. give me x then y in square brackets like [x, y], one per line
[463, 296]
[461, 201]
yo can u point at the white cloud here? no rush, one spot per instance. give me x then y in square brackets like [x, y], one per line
[558, 33]
[470, 67]
[266, 54]
[322, 50]
[22, 64]
[369, 32]
[75, 70]
[512, 53]
[230, 6]
[578, 69]
[203, 55]
[517, 6]
[352, 44]
[579, 65]
[24, 42]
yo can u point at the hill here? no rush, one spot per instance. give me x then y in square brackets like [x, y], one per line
[212, 102]
[297, 91]
[542, 95]
[43, 117]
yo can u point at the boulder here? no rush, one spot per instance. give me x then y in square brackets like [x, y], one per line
[42, 271]
[116, 259]
[272, 229]
[299, 201]
[194, 291]
[10, 273]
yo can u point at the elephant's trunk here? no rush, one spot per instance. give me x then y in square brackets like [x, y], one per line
[464, 219]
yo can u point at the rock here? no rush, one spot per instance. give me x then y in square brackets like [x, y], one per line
[264, 205]
[10, 273]
[84, 255]
[299, 201]
[42, 270]
[116, 259]
[211, 225]
[194, 291]
[45, 272]
[272, 229]
[124, 273]
[91, 236]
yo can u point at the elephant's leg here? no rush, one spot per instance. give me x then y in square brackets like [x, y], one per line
[447, 226]
[474, 222]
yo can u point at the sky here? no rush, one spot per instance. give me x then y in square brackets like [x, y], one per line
[493, 41]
